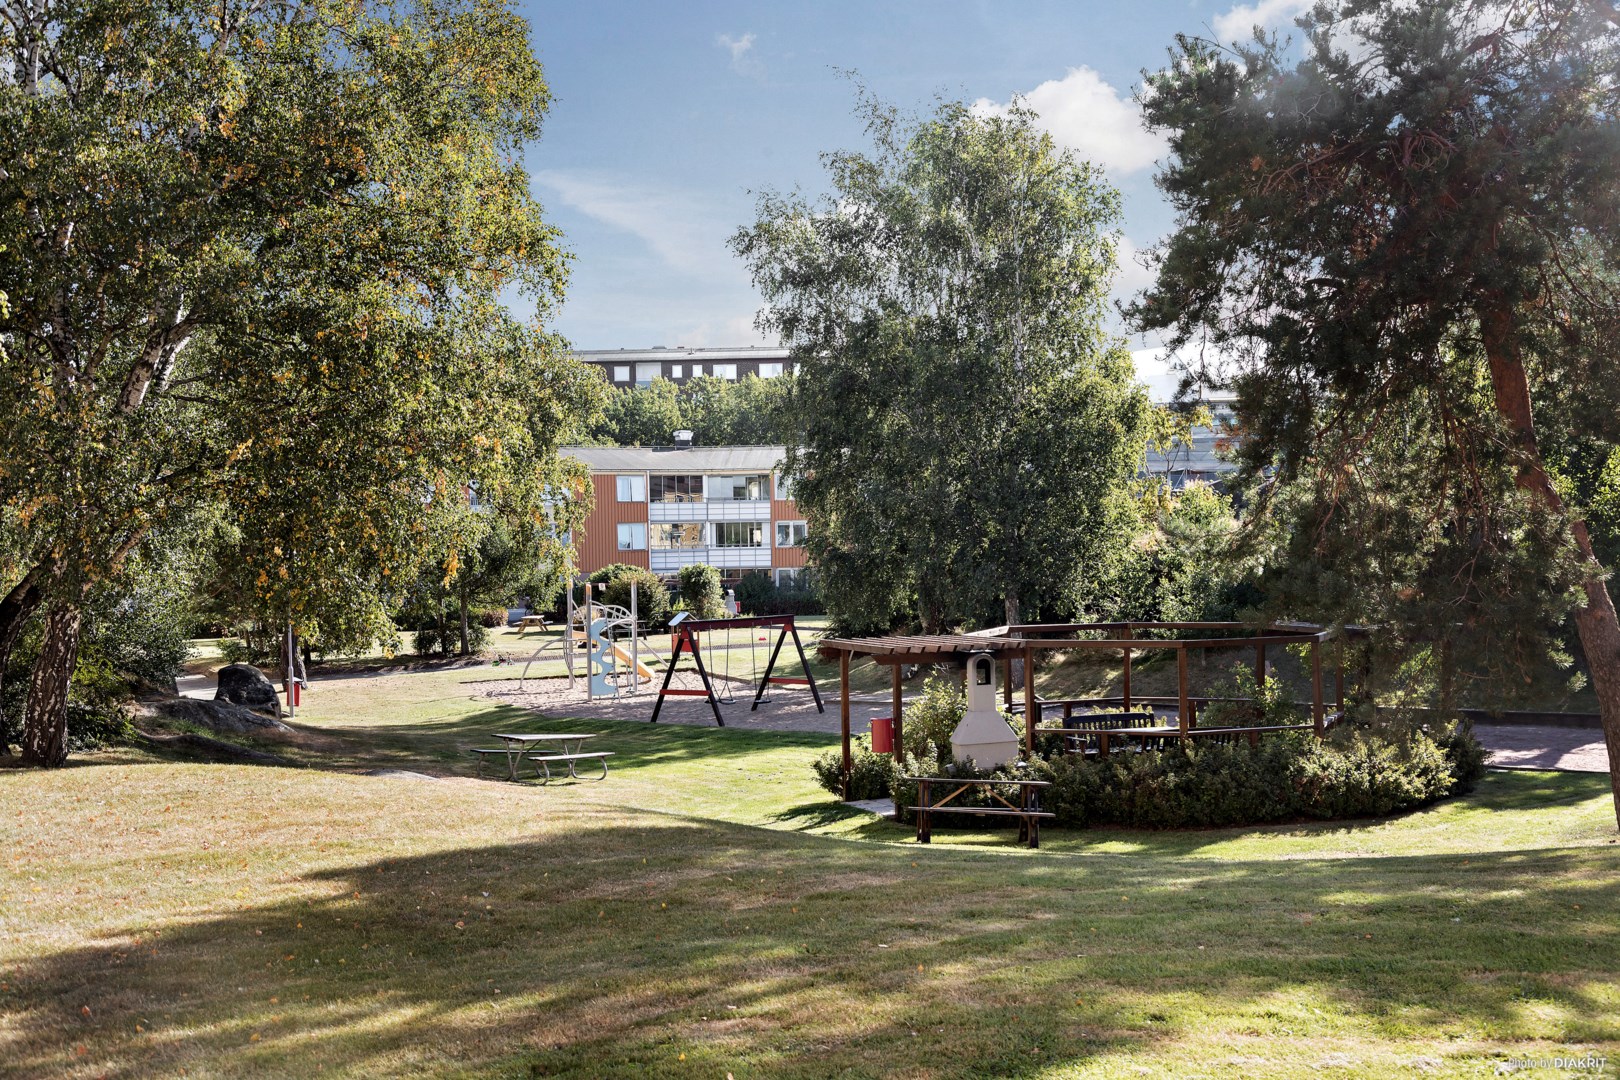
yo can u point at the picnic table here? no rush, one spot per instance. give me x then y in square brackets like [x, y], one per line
[572, 749]
[1027, 810]
[533, 622]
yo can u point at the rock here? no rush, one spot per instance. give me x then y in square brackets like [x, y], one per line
[247, 686]
[217, 716]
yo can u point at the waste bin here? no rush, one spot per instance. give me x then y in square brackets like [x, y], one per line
[882, 734]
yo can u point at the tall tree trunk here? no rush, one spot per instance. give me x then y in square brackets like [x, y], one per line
[1011, 606]
[45, 721]
[16, 608]
[1595, 621]
[466, 647]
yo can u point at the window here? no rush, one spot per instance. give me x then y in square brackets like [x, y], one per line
[737, 488]
[633, 536]
[668, 489]
[790, 534]
[739, 534]
[621, 372]
[674, 371]
[725, 371]
[632, 488]
[783, 487]
[646, 373]
[697, 369]
[789, 577]
[769, 371]
[684, 535]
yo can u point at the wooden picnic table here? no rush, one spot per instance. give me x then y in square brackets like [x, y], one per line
[1027, 810]
[533, 622]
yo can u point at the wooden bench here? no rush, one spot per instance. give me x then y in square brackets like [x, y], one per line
[533, 622]
[1028, 811]
[545, 762]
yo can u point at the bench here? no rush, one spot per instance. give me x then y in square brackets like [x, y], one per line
[1028, 811]
[533, 622]
[502, 754]
[545, 761]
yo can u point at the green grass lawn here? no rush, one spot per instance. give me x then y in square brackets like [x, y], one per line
[709, 911]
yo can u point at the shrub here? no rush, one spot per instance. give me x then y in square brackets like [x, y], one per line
[490, 618]
[700, 591]
[652, 596]
[871, 776]
[756, 593]
[425, 642]
[1366, 772]
[1267, 702]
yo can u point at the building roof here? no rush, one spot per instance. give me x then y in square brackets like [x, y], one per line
[680, 353]
[694, 459]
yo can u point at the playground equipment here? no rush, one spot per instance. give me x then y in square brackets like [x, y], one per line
[687, 633]
[600, 630]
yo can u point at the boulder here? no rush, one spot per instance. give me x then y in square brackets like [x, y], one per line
[220, 717]
[247, 686]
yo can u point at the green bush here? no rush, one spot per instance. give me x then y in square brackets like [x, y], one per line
[871, 776]
[1372, 771]
[929, 722]
[756, 593]
[700, 591]
[652, 595]
[491, 618]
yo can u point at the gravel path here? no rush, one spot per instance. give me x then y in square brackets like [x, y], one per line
[1535, 746]
[791, 708]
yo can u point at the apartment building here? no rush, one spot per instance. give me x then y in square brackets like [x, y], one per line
[639, 367]
[1206, 458]
[665, 507]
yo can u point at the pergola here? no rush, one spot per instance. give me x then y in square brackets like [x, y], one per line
[1023, 642]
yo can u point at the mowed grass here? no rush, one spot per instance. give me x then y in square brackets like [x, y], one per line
[708, 911]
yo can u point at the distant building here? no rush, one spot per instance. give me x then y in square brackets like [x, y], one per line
[1206, 459]
[639, 367]
[665, 507]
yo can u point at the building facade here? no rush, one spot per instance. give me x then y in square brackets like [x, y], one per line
[639, 367]
[669, 507]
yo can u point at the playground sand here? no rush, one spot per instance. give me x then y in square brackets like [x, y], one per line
[790, 708]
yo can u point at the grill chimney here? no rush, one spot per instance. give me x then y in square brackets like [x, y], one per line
[683, 439]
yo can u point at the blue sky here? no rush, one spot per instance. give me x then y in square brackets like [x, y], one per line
[668, 117]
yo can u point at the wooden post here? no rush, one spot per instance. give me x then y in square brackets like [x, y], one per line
[1031, 714]
[1006, 683]
[1317, 717]
[1338, 680]
[1184, 706]
[1127, 673]
[1260, 663]
[895, 702]
[843, 713]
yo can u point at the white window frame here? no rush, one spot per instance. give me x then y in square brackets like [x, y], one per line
[674, 371]
[783, 487]
[788, 575]
[632, 536]
[790, 526]
[725, 371]
[647, 373]
[770, 371]
[630, 487]
[718, 527]
[621, 372]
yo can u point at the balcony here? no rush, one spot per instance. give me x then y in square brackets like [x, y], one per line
[669, 560]
[712, 510]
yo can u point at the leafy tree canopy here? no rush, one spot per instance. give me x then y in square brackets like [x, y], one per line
[254, 256]
[963, 427]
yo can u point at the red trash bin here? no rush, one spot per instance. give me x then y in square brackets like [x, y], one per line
[882, 734]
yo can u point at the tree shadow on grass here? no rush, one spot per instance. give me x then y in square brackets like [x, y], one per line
[622, 942]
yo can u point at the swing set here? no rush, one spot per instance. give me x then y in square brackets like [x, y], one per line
[686, 633]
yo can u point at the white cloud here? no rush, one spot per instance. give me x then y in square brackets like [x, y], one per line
[723, 332]
[1239, 23]
[741, 49]
[1085, 114]
[678, 228]
[1133, 277]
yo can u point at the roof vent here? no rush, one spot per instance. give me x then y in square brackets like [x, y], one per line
[683, 439]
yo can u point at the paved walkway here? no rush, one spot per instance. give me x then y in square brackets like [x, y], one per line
[1534, 746]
